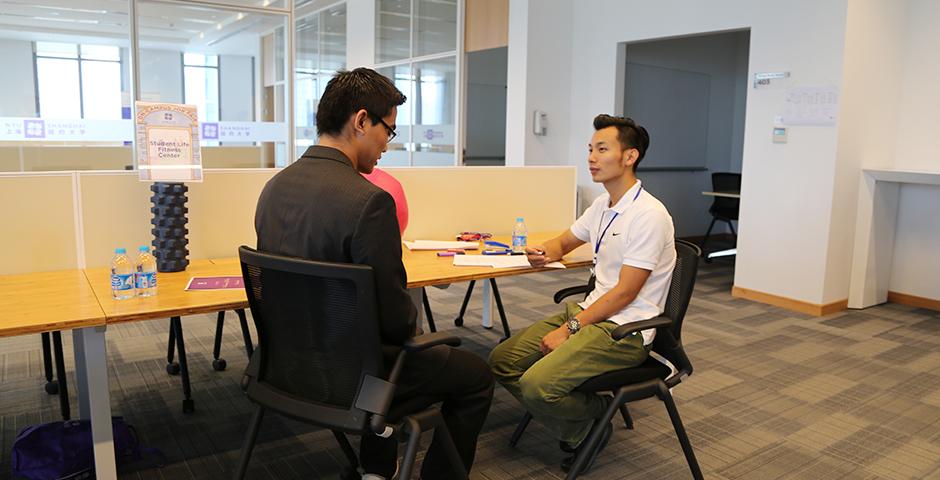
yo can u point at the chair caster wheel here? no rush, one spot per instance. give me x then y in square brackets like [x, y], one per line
[189, 406]
[173, 368]
[52, 388]
[218, 364]
[458, 321]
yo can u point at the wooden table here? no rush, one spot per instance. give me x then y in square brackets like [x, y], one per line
[173, 301]
[425, 268]
[64, 300]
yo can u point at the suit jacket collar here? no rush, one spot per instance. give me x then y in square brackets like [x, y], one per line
[327, 153]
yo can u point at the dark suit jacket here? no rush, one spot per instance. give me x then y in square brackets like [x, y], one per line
[321, 208]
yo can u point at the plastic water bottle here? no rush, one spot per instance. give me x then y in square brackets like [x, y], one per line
[146, 275]
[122, 275]
[519, 236]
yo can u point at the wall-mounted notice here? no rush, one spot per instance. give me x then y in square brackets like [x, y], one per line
[812, 106]
[168, 143]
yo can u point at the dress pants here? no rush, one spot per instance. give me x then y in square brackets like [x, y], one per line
[464, 385]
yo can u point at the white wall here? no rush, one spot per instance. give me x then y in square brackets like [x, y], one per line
[722, 58]
[916, 266]
[17, 91]
[874, 54]
[539, 78]
[785, 212]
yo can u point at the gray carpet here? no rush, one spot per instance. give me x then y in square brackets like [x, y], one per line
[775, 395]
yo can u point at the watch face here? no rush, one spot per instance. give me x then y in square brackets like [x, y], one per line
[574, 325]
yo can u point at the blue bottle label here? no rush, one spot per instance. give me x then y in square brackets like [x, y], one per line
[146, 280]
[122, 281]
[518, 240]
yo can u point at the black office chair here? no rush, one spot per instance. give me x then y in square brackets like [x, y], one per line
[319, 359]
[652, 378]
[723, 208]
[60, 385]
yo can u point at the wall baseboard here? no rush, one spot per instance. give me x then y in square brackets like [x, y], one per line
[914, 301]
[815, 309]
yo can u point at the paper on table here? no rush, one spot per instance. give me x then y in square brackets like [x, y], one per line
[497, 261]
[440, 245]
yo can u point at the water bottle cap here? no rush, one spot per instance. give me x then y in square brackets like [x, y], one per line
[120, 251]
[519, 219]
[143, 248]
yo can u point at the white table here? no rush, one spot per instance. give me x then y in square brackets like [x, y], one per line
[731, 251]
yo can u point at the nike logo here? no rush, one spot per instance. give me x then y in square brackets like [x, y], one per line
[615, 234]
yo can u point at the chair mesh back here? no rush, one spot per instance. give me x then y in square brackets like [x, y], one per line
[317, 331]
[722, 206]
[677, 301]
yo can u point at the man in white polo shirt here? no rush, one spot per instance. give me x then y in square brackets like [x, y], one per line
[631, 234]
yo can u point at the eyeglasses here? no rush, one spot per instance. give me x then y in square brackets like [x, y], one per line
[391, 131]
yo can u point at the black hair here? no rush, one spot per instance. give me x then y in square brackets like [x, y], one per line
[350, 91]
[629, 134]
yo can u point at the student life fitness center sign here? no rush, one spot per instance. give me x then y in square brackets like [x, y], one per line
[168, 143]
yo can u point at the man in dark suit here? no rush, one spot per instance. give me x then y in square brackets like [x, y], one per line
[321, 208]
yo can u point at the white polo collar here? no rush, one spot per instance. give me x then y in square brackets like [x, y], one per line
[627, 199]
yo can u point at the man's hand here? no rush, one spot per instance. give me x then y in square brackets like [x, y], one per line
[536, 255]
[554, 339]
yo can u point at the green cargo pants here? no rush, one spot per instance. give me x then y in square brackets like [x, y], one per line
[544, 384]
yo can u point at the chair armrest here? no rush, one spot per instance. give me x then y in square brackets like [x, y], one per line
[428, 340]
[626, 329]
[567, 292]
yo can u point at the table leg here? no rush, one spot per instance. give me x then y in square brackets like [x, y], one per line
[94, 403]
[488, 303]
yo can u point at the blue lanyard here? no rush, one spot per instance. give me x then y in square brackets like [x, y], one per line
[597, 245]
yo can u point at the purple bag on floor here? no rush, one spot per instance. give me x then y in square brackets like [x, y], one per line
[63, 450]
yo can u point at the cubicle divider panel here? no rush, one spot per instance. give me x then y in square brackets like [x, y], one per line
[447, 200]
[76, 219]
[37, 218]
[115, 213]
[222, 211]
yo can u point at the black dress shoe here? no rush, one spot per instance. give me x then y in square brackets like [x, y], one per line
[566, 447]
[605, 438]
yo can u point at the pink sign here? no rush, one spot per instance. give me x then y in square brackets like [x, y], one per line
[215, 283]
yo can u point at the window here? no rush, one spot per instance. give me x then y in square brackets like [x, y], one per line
[78, 81]
[416, 45]
[321, 51]
[201, 85]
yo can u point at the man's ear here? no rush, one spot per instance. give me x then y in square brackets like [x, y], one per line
[629, 156]
[359, 122]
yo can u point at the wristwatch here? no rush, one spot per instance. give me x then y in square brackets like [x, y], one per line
[573, 325]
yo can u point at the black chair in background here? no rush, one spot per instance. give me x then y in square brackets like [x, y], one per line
[319, 359]
[52, 341]
[652, 378]
[724, 209]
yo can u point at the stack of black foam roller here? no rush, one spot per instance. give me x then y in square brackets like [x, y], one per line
[169, 226]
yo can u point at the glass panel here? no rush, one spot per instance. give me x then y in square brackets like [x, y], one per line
[101, 89]
[58, 88]
[398, 151]
[61, 50]
[333, 39]
[224, 75]
[201, 88]
[41, 94]
[101, 52]
[435, 26]
[260, 3]
[392, 30]
[434, 111]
